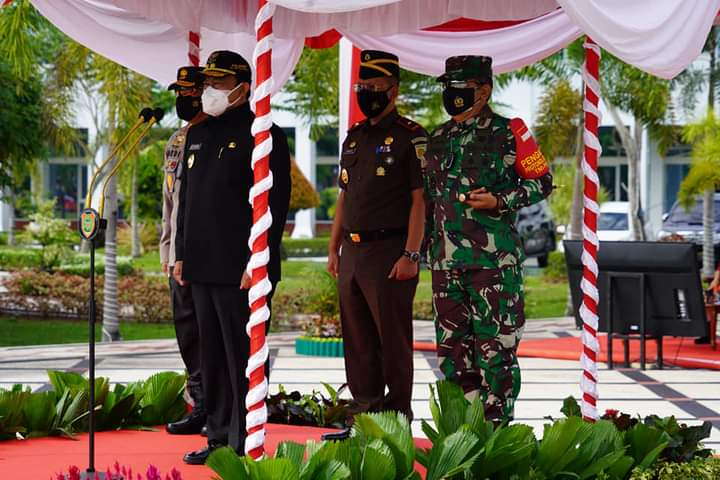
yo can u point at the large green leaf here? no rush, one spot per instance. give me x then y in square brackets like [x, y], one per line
[63, 381]
[429, 431]
[393, 429]
[272, 469]
[349, 452]
[561, 445]
[226, 463]
[621, 468]
[39, 410]
[645, 444]
[455, 454]
[294, 452]
[378, 462]
[604, 440]
[451, 409]
[12, 418]
[507, 452]
[475, 419]
[162, 401]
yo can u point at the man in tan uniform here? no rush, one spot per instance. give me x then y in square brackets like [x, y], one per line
[188, 89]
[379, 224]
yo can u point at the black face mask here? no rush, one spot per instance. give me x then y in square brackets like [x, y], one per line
[372, 104]
[187, 107]
[458, 100]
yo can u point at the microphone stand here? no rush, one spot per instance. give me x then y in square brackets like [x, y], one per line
[91, 223]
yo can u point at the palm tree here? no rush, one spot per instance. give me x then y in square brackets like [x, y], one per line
[691, 82]
[704, 176]
[29, 41]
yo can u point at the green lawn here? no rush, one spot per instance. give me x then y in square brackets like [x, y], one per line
[31, 331]
[543, 300]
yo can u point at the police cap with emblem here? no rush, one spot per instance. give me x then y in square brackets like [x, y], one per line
[374, 63]
[188, 77]
[225, 62]
[467, 67]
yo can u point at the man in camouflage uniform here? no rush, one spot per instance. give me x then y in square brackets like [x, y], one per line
[481, 168]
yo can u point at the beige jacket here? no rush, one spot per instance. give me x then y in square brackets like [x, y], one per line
[171, 190]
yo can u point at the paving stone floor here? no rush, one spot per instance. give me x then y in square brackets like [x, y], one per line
[691, 395]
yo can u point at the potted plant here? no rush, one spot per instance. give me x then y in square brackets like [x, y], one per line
[322, 330]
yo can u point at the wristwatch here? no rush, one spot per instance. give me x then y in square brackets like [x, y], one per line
[413, 256]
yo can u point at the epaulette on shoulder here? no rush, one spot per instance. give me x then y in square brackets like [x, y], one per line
[409, 124]
[357, 125]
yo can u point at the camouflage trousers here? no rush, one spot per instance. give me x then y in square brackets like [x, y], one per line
[479, 318]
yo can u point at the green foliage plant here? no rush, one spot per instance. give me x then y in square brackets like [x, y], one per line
[51, 234]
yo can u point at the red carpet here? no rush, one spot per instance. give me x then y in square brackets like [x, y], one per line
[41, 458]
[681, 352]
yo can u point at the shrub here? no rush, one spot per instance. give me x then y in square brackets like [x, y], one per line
[556, 271]
[26, 414]
[81, 266]
[148, 296]
[302, 194]
[144, 299]
[149, 237]
[698, 469]
[313, 409]
[323, 304]
[17, 258]
[306, 247]
[52, 234]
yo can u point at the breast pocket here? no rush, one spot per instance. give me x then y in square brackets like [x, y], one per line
[479, 167]
[234, 163]
[348, 170]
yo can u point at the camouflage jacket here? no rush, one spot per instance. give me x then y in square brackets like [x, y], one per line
[480, 152]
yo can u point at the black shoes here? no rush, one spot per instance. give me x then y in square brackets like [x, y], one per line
[191, 425]
[702, 341]
[199, 457]
[337, 436]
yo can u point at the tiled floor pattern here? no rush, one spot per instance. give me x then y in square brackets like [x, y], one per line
[691, 395]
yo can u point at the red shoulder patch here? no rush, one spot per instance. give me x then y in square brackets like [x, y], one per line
[529, 160]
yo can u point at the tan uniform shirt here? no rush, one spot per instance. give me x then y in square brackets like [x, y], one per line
[379, 168]
[171, 190]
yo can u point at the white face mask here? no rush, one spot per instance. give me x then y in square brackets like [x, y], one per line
[215, 102]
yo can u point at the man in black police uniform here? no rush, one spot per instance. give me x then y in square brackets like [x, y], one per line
[379, 224]
[188, 88]
[214, 221]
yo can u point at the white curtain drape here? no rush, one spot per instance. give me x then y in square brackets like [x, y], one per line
[151, 47]
[511, 47]
[308, 18]
[661, 37]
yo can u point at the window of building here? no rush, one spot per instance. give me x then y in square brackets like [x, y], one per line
[674, 175]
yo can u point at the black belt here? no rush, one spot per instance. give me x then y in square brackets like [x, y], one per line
[374, 235]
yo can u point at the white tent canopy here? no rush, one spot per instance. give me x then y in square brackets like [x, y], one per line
[659, 36]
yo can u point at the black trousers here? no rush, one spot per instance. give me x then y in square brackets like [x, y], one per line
[223, 313]
[188, 337]
[376, 314]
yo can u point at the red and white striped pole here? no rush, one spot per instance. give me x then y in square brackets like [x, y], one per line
[194, 48]
[589, 308]
[258, 243]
